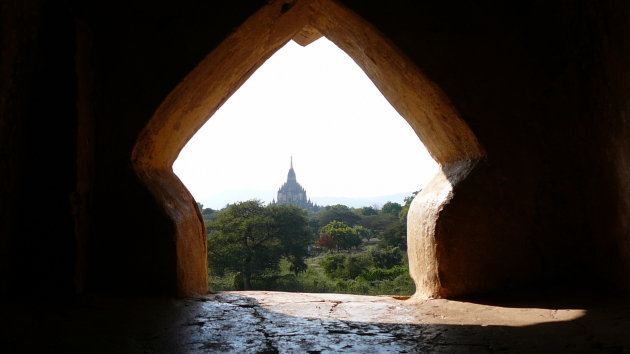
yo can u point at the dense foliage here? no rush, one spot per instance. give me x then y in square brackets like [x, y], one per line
[337, 235]
[361, 251]
[250, 239]
[338, 213]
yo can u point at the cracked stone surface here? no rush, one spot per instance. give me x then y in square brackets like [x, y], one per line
[272, 322]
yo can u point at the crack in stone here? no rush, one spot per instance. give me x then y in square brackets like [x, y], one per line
[269, 343]
[275, 334]
[333, 307]
[232, 323]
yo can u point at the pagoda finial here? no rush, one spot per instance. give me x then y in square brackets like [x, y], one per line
[291, 175]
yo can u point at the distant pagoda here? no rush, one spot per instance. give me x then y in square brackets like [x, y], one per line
[292, 193]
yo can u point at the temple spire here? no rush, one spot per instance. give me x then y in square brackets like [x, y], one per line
[291, 175]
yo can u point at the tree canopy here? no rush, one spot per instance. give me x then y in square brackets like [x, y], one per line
[395, 235]
[252, 246]
[378, 223]
[391, 208]
[248, 238]
[338, 213]
[365, 211]
[337, 234]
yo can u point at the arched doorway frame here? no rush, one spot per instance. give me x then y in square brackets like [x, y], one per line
[424, 106]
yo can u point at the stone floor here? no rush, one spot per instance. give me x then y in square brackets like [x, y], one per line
[270, 322]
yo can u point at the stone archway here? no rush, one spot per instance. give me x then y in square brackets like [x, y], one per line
[423, 105]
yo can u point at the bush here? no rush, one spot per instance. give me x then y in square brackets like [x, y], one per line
[376, 274]
[386, 257]
[345, 266]
[337, 273]
[225, 282]
[395, 235]
[333, 265]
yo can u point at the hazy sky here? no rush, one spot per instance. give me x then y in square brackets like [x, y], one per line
[315, 104]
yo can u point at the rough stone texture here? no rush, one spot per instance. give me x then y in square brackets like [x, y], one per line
[266, 322]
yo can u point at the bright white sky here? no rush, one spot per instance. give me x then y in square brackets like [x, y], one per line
[315, 104]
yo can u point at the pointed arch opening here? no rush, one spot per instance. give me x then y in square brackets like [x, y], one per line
[423, 105]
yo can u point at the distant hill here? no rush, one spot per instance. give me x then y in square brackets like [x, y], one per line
[361, 202]
[219, 201]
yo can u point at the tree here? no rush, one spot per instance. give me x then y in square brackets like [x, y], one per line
[208, 214]
[365, 211]
[333, 265]
[362, 232]
[207, 211]
[391, 208]
[386, 257]
[395, 236]
[378, 223]
[248, 238]
[339, 213]
[345, 266]
[342, 235]
[326, 242]
[290, 227]
[313, 222]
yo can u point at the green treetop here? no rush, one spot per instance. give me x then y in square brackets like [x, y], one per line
[251, 239]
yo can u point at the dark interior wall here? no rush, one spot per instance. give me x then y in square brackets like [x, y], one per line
[523, 76]
[141, 50]
[609, 197]
[543, 86]
[37, 148]
[618, 63]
